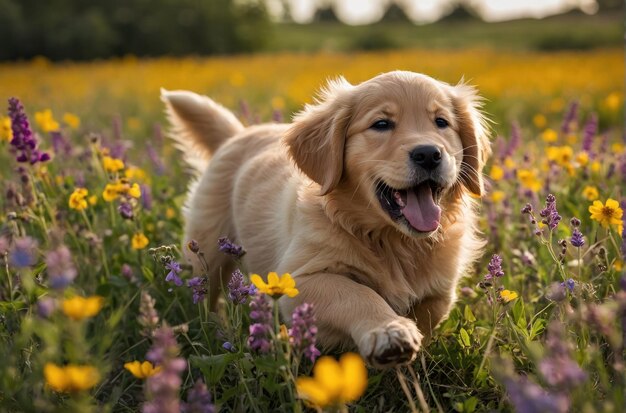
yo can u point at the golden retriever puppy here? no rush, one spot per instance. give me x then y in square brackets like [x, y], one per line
[364, 199]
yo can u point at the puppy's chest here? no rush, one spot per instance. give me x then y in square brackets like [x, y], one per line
[402, 279]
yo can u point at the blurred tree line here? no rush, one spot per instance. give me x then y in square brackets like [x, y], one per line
[87, 29]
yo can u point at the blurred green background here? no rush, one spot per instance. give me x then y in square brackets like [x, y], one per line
[85, 30]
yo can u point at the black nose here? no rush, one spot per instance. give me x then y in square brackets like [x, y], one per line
[426, 156]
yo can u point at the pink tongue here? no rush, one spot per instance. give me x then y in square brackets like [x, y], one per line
[421, 211]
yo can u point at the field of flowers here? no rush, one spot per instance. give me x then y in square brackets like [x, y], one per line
[99, 314]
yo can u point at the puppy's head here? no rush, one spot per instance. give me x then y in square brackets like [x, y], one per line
[402, 142]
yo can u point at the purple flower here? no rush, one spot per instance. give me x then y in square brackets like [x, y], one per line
[260, 330]
[514, 141]
[24, 252]
[24, 142]
[162, 389]
[303, 331]
[238, 291]
[549, 214]
[198, 400]
[126, 210]
[146, 197]
[159, 168]
[60, 268]
[527, 209]
[172, 276]
[577, 238]
[198, 287]
[494, 267]
[557, 367]
[60, 145]
[46, 306]
[569, 284]
[570, 118]
[229, 248]
[228, 346]
[589, 132]
[528, 397]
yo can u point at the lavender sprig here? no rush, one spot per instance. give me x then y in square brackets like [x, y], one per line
[24, 141]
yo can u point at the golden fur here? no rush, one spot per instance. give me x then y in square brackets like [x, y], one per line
[302, 198]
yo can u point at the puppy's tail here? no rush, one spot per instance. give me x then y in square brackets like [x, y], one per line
[199, 126]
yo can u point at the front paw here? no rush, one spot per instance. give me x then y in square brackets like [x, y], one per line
[389, 345]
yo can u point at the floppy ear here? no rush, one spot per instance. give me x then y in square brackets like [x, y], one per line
[473, 131]
[316, 139]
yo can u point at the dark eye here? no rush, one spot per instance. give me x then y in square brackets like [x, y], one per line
[441, 123]
[383, 125]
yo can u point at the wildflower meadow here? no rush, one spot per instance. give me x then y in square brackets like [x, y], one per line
[100, 313]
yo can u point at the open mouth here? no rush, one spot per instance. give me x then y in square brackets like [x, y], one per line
[417, 206]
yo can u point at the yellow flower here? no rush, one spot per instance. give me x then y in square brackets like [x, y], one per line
[71, 120]
[139, 241]
[496, 173]
[46, 121]
[111, 192]
[582, 158]
[497, 196]
[6, 134]
[506, 295]
[617, 148]
[591, 193]
[540, 120]
[283, 333]
[509, 162]
[561, 155]
[79, 307]
[275, 286]
[71, 378]
[549, 135]
[618, 265]
[77, 199]
[133, 190]
[92, 200]
[142, 370]
[596, 166]
[136, 174]
[528, 179]
[608, 213]
[613, 101]
[111, 164]
[170, 213]
[334, 383]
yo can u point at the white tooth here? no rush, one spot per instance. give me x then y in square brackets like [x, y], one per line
[398, 198]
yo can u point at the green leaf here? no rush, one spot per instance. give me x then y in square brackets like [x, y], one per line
[537, 328]
[465, 338]
[519, 315]
[213, 367]
[468, 314]
[469, 405]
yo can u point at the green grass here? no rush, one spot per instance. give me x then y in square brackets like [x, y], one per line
[570, 31]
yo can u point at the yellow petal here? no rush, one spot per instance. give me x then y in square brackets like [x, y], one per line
[286, 281]
[329, 376]
[55, 377]
[135, 368]
[93, 305]
[258, 282]
[310, 390]
[611, 203]
[82, 377]
[272, 279]
[354, 376]
[291, 292]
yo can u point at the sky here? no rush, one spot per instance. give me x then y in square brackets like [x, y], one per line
[425, 11]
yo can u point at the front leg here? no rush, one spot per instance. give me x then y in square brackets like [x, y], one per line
[347, 311]
[430, 311]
